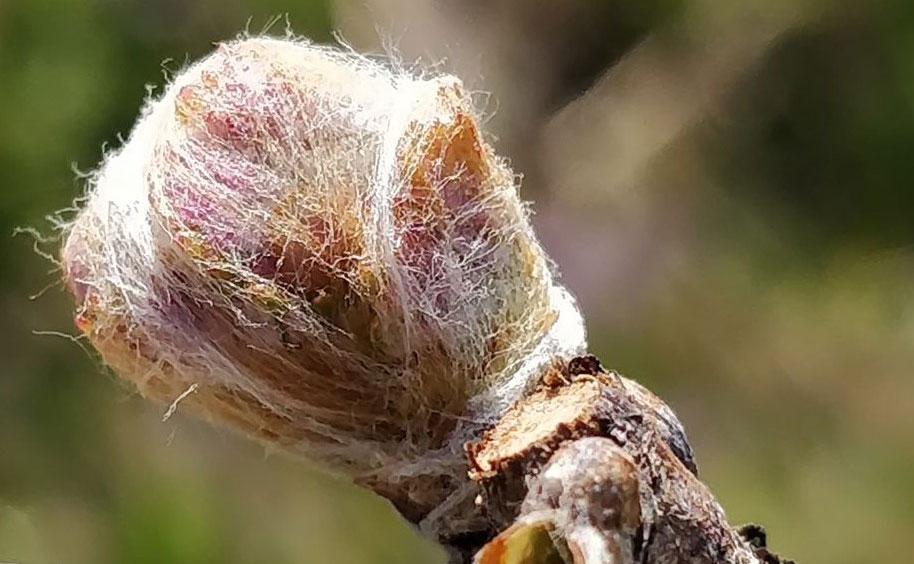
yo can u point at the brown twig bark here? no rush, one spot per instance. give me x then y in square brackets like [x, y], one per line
[592, 468]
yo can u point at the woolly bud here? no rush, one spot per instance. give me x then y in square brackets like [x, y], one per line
[323, 253]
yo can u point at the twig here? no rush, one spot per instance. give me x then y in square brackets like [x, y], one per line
[592, 468]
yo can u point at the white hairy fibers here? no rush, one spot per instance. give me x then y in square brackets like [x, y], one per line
[326, 252]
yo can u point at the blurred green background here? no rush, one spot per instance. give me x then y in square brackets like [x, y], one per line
[725, 185]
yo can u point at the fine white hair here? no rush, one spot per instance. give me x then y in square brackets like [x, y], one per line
[322, 251]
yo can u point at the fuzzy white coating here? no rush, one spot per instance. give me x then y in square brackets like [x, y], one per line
[327, 251]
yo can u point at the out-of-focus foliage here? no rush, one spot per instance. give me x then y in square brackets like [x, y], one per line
[725, 185]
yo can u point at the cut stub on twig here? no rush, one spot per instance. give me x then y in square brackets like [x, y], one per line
[585, 500]
[602, 468]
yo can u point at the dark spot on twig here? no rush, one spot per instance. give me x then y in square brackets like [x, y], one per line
[585, 365]
[757, 538]
[754, 534]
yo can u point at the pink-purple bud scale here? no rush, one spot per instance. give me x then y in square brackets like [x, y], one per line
[327, 252]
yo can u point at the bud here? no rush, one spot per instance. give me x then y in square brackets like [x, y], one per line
[323, 253]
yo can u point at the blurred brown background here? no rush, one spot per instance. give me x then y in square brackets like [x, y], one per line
[725, 185]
